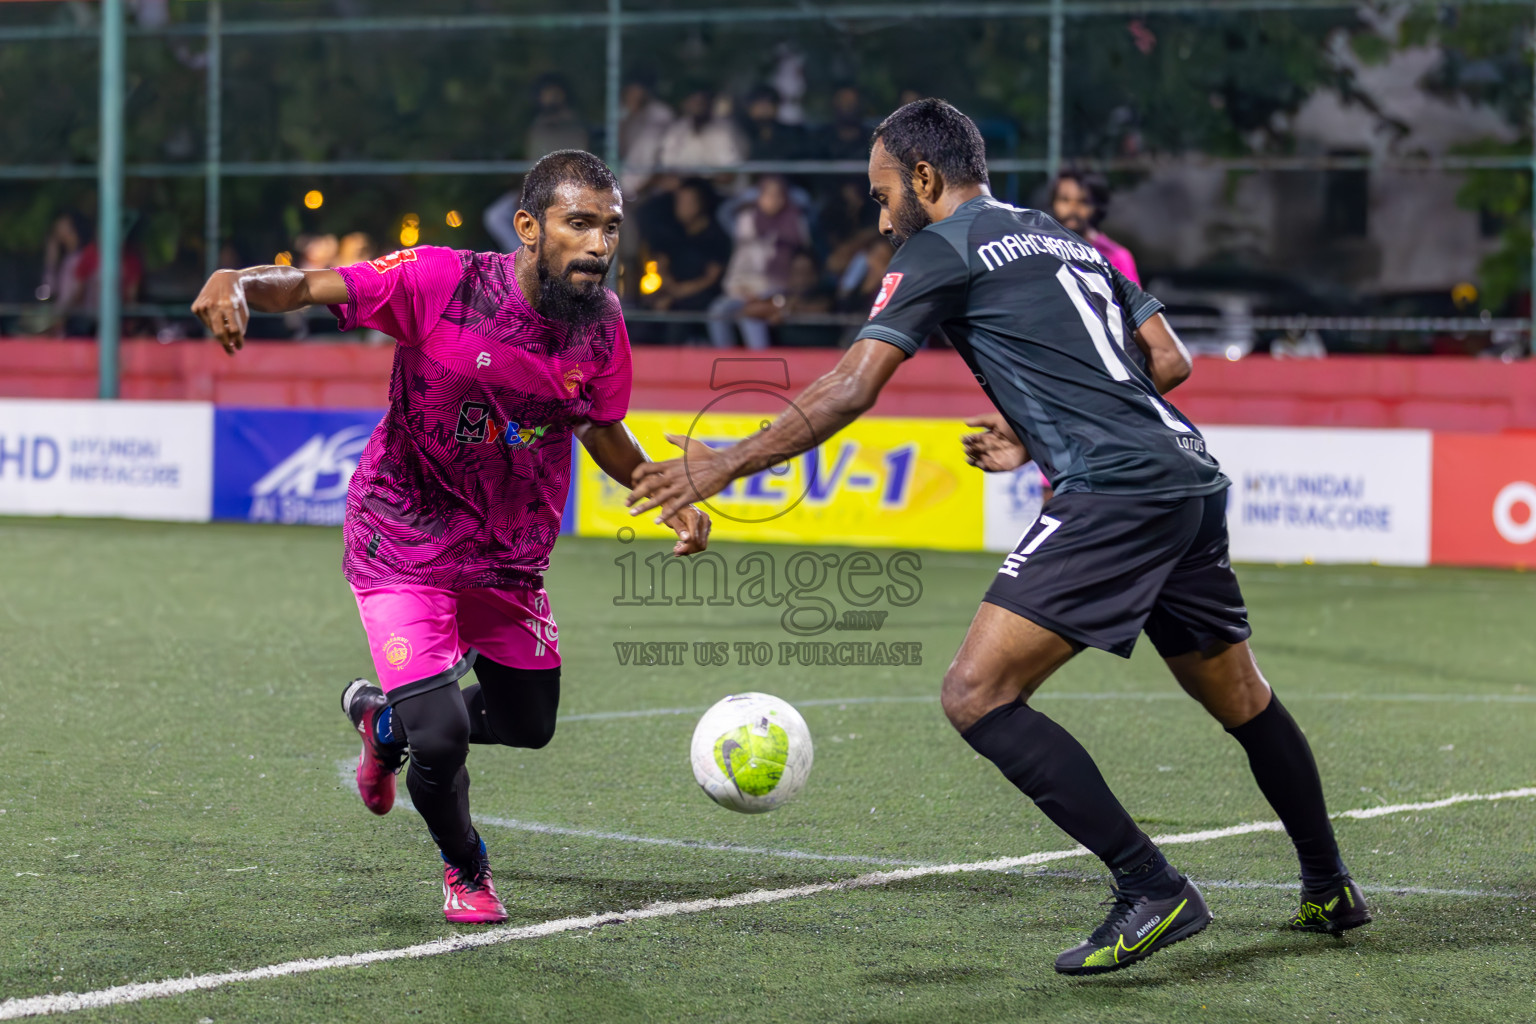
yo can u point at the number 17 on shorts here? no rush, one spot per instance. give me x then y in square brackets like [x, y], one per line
[1031, 540]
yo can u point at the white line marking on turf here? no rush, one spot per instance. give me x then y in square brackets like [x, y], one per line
[1217, 883]
[68, 1002]
[348, 781]
[690, 844]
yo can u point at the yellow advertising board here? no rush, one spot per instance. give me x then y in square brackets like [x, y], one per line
[888, 482]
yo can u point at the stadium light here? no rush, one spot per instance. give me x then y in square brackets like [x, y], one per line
[650, 282]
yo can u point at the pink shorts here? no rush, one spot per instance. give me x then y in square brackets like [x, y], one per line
[424, 637]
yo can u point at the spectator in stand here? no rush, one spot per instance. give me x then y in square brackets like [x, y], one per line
[767, 137]
[860, 280]
[847, 136]
[81, 295]
[766, 235]
[701, 138]
[644, 124]
[61, 254]
[555, 125]
[1080, 200]
[316, 252]
[355, 247]
[691, 256]
[805, 293]
[848, 222]
[497, 220]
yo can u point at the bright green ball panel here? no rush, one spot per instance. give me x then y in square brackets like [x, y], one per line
[753, 761]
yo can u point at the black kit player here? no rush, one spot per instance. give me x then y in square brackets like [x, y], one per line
[1133, 539]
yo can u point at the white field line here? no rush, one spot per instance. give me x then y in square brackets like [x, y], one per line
[688, 844]
[68, 1002]
[349, 781]
[1291, 886]
[1384, 698]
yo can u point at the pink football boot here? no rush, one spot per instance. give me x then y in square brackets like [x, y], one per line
[377, 764]
[468, 895]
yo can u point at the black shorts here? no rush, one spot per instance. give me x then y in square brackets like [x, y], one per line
[1098, 569]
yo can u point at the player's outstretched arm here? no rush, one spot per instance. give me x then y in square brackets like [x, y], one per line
[225, 303]
[829, 404]
[617, 452]
[1168, 361]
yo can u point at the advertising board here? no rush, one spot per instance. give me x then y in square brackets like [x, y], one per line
[1012, 504]
[1484, 503]
[135, 460]
[1304, 494]
[287, 465]
[893, 482]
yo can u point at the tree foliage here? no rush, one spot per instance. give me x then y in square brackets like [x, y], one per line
[1206, 82]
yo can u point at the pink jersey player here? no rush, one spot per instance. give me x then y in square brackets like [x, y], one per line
[1079, 201]
[1118, 255]
[462, 485]
[456, 502]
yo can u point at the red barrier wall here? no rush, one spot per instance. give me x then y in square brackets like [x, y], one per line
[1457, 394]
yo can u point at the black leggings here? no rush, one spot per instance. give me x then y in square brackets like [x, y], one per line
[513, 707]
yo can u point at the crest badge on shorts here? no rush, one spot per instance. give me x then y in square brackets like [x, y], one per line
[887, 290]
[397, 651]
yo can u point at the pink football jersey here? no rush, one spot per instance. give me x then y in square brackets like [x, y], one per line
[463, 483]
[1118, 255]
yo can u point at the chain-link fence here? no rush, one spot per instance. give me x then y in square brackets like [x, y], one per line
[1303, 175]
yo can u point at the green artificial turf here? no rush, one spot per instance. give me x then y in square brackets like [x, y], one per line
[175, 802]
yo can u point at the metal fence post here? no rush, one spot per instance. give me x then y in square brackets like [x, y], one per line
[611, 97]
[212, 143]
[1054, 94]
[109, 210]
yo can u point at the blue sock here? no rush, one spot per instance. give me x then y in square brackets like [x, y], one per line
[384, 728]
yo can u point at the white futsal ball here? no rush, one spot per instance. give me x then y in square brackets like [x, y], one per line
[751, 752]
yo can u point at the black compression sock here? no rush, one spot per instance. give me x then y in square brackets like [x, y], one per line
[1155, 878]
[1287, 776]
[1053, 770]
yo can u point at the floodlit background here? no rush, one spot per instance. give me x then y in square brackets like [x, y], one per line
[1338, 177]
[1334, 200]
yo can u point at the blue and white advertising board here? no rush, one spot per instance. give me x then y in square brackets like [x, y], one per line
[292, 466]
[287, 466]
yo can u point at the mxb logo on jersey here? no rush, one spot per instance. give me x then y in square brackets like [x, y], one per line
[477, 426]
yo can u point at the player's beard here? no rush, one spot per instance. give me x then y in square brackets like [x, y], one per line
[579, 305]
[907, 216]
[1075, 224]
